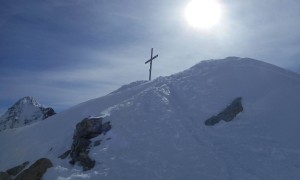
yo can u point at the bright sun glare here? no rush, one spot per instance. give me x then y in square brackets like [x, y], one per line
[203, 14]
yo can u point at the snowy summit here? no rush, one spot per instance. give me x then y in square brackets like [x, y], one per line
[235, 118]
[24, 112]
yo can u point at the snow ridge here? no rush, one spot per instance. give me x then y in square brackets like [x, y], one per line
[159, 132]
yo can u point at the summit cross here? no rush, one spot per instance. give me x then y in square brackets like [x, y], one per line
[150, 60]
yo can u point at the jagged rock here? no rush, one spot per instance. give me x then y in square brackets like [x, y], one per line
[88, 128]
[4, 176]
[65, 154]
[85, 130]
[16, 170]
[106, 127]
[212, 121]
[48, 112]
[97, 143]
[86, 162]
[79, 151]
[228, 114]
[36, 170]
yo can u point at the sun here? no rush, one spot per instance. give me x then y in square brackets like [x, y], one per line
[203, 14]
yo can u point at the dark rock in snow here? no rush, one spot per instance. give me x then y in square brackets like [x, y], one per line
[88, 128]
[97, 143]
[16, 170]
[106, 127]
[4, 176]
[212, 121]
[36, 170]
[85, 130]
[228, 114]
[65, 154]
[85, 161]
[48, 112]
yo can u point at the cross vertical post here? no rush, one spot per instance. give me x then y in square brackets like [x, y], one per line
[150, 64]
[150, 60]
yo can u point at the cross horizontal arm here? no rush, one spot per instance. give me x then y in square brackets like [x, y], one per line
[151, 59]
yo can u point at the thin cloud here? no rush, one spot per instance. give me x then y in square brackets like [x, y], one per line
[66, 52]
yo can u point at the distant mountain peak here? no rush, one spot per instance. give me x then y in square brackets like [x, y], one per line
[24, 112]
[28, 100]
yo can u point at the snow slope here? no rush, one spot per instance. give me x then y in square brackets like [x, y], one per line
[158, 129]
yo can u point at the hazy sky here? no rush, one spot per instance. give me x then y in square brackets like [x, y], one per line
[63, 52]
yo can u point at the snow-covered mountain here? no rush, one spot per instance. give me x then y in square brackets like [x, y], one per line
[24, 112]
[159, 132]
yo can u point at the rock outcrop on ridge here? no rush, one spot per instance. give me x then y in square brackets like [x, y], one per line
[85, 130]
[228, 114]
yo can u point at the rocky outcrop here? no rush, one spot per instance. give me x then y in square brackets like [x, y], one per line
[16, 170]
[85, 130]
[4, 176]
[65, 154]
[47, 112]
[228, 114]
[36, 170]
[24, 112]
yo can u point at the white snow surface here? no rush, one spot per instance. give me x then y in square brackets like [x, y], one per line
[158, 130]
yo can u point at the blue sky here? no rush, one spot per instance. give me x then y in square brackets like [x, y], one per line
[63, 52]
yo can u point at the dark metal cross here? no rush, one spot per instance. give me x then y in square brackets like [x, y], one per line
[150, 60]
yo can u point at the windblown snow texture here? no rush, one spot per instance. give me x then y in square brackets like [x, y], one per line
[158, 130]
